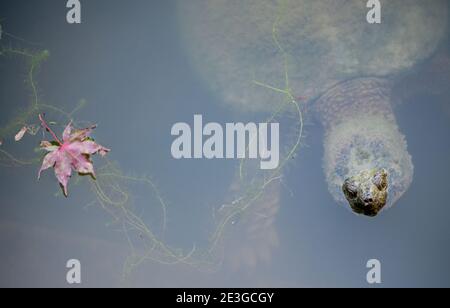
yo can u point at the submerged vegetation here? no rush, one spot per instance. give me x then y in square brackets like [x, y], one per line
[113, 190]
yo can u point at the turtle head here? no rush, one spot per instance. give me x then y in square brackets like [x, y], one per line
[366, 192]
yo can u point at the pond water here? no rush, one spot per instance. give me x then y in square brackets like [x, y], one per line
[130, 63]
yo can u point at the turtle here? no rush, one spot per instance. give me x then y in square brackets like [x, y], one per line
[344, 67]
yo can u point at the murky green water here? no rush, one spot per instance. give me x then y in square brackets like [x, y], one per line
[131, 64]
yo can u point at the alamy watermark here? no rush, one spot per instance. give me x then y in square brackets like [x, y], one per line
[73, 16]
[235, 141]
[374, 14]
[374, 274]
[73, 275]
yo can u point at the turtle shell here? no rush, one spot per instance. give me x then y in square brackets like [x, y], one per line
[231, 44]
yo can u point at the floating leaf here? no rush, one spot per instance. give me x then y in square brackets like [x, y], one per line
[20, 134]
[73, 153]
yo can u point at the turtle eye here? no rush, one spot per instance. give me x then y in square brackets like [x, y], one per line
[350, 190]
[380, 180]
[352, 193]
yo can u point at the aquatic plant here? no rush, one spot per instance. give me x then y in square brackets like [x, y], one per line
[113, 190]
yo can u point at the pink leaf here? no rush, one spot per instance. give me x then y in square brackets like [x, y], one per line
[20, 134]
[82, 133]
[49, 162]
[73, 154]
[45, 145]
[67, 132]
[63, 169]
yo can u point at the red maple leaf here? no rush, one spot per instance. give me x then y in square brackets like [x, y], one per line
[72, 153]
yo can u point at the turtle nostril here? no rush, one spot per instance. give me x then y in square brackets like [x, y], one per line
[368, 200]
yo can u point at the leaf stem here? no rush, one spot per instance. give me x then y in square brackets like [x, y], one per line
[45, 125]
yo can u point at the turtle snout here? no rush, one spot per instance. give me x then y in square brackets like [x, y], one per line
[367, 205]
[366, 192]
[367, 198]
